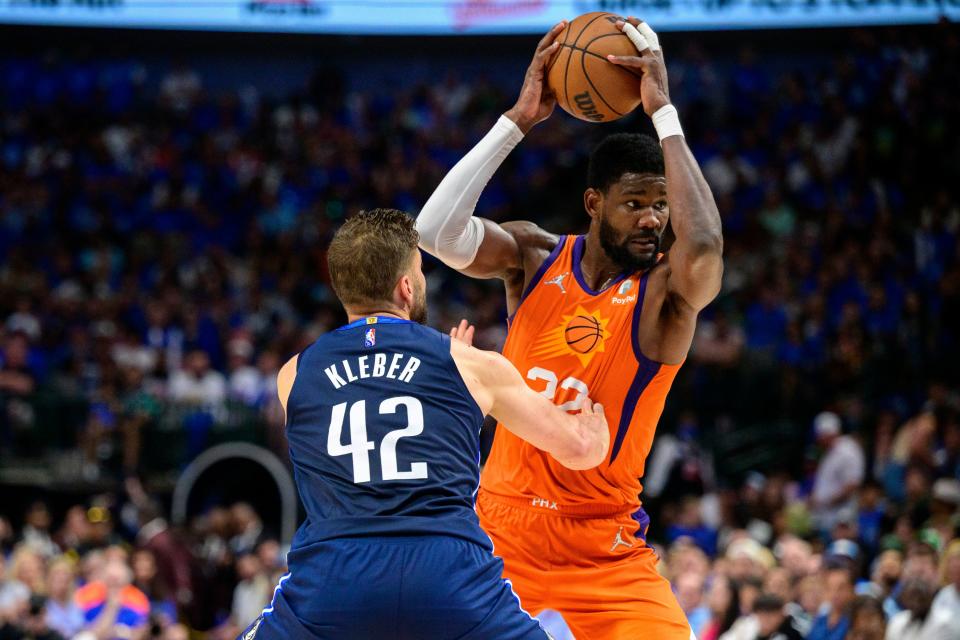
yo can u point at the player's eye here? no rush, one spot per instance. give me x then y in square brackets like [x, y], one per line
[633, 204]
[661, 205]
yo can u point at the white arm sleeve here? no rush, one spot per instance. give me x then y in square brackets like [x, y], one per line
[446, 224]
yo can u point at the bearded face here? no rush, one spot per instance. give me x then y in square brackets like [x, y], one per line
[634, 252]
[631, 217]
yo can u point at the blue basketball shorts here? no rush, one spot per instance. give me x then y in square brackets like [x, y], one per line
[405, 588]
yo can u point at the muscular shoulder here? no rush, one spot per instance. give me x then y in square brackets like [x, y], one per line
[530, 234]
[531, 237]
[667, 322]
[658, 292]
[534, 244]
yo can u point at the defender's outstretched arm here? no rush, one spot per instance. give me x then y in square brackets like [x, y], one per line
[577, 442]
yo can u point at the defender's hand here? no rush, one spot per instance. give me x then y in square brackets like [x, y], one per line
[536, 101]
[654, 89]
[593, 423]
[463, 332]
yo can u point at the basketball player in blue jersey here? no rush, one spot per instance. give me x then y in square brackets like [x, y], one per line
[383, 417]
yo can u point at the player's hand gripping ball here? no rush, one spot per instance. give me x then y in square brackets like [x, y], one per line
[587, 83]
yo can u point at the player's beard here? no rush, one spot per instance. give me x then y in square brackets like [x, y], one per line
[418, 312]
[619, 251]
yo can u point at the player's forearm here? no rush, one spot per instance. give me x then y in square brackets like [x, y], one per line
[446, 224]
[696, 256]
[535, 419]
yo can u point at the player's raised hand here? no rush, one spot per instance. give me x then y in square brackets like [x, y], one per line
[463, 332]
[536, 101]
[654, 89]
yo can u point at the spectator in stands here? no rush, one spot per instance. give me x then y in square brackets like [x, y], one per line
[773, 622]
[28, 567]
[247, 527]
[32, 625]
[203, 391]
[885, 573]
[62, 613]
[690, 595]
[197, 383]
[17, 382]
[866, 619]
[724, 603]
[834, 622]
[14, 595]
[917, 620]
[944, 509]
[113, 608]
[920, 565]
[947, 600]
[173, 558]
[271, 558]
[75, 531]
[839, 473]
[36, 530]
[140, 410]
[246, 381]
[163, 605]
[253, 591]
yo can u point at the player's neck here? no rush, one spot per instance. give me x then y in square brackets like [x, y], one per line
[355, 314]
[597, 268]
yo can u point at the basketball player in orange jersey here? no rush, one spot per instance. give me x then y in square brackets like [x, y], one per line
[601, 316]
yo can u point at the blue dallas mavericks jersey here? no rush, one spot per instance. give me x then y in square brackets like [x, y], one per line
[383, 435]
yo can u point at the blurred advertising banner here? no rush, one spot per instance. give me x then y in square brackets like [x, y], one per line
[448, 17]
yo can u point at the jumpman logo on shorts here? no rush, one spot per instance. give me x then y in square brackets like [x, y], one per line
[619, 541]
[558, 281]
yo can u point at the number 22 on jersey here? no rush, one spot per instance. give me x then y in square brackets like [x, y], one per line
[550, 392]
[359, 447]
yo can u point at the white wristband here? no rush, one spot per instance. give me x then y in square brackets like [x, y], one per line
[667, 122]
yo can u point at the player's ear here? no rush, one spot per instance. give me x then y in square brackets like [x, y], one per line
[403, 294]
[592, 201]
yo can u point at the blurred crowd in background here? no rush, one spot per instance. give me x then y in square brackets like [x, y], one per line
[162, 254]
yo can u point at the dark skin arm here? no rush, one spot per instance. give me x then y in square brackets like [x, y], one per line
[690, 278]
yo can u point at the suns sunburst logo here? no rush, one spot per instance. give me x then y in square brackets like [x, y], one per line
[582, 334]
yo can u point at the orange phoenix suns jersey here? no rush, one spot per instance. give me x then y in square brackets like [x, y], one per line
[571, 342]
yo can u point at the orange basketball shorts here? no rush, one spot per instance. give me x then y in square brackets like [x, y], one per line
[598, 572]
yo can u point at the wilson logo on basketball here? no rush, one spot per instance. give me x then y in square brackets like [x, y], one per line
[581, 334]
[586, 106]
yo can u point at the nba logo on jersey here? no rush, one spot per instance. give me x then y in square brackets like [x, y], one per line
[370, 337]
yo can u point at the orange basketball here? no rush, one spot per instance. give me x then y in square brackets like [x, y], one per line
[587, 85]
[582, 333]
